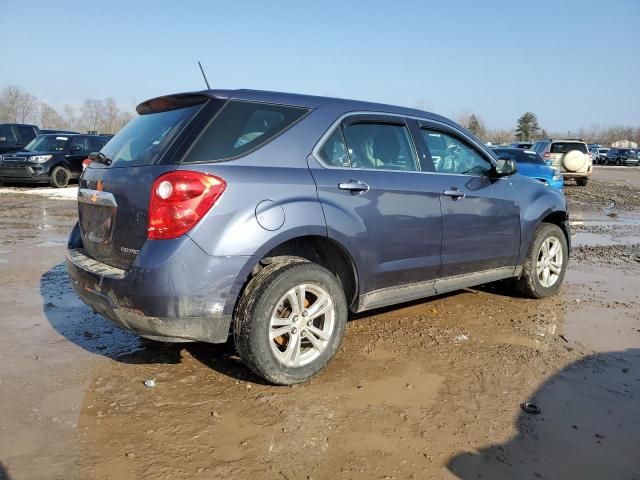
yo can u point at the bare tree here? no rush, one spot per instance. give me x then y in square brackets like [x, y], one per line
[499, 137]
[110, 118]
[10, 99]
[92, 114]
[50, 118]
[123, 119]
[28, 108]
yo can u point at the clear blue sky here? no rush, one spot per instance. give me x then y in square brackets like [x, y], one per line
[573, 63]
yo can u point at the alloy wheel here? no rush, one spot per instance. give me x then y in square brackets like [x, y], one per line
[302, 325]
[550, 262]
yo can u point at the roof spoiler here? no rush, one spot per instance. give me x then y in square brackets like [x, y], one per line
[171, 102]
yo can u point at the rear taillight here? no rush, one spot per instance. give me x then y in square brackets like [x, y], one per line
[179, 200]
[547, 156]
[85, 163]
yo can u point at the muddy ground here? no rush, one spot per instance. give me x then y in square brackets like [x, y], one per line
[430, 389]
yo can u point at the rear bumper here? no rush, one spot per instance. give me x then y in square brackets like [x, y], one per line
[576, 174]
[178, 295]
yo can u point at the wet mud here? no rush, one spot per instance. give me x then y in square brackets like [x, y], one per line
[430, 389]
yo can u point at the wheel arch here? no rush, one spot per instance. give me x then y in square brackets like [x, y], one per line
[318, 249]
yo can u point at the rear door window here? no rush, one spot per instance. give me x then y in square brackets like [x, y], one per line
[380, 146]
[334, 150]
[79, 144]
[241, 127]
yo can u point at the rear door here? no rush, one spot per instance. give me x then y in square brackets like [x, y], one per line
[480, 215]
[379, 201]
[113, 199]
[78, 151]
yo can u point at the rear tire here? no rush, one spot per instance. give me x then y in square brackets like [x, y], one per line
[543, 273]
[59, 177]
[582, 182]
[283, 299]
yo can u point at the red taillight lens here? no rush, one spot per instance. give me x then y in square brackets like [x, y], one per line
[85, 163]
[179, 200]
[547, 156]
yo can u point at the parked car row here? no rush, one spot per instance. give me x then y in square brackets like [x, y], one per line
[53, 158]
[620, 156]
[269, 216]
[15, 136]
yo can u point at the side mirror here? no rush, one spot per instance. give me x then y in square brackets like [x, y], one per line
[506, 167]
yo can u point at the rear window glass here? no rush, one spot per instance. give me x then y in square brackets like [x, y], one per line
[241, 127]
[143, 140]
[564, 147]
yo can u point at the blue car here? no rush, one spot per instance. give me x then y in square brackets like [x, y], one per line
[268, 217]
[530, 164]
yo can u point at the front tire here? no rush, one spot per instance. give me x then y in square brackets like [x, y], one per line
[545, 264]
[582, 182]
[59, 177]
[290, 320]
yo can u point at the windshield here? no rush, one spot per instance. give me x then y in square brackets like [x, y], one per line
[146, 137]
[47, 143]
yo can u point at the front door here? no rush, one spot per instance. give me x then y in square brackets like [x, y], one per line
[480, 214]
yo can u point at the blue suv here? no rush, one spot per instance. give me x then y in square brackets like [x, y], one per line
[268, 217]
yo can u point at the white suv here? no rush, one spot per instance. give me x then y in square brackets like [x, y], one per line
[570, 157]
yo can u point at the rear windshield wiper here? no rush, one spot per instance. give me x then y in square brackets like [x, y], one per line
[100, 157]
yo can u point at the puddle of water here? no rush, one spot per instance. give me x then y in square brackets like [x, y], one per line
[609, 325]
[591, 239]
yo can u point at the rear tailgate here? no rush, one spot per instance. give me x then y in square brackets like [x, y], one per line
[113, 198]
[112, 211]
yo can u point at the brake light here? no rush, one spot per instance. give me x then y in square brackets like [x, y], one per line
[547, 156]
[179, 200]
[85, 163]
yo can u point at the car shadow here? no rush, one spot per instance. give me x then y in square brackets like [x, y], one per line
[76, 322]
[587, 428]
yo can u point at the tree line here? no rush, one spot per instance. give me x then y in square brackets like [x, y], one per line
[527, 128]
[102, 116]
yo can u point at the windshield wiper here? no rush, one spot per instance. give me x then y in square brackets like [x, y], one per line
[100, 157]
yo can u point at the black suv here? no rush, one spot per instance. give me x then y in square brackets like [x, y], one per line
[621, 156]
[14, 136]
[53, 159]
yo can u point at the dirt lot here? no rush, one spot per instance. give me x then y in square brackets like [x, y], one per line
[426, 390]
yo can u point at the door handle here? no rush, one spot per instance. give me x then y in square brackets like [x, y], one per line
[454, 193]
[354, 186]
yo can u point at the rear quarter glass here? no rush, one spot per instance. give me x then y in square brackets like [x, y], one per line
[144, 139]
[241, 127]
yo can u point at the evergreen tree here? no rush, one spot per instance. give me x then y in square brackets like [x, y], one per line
[475, 126]
[527, 127]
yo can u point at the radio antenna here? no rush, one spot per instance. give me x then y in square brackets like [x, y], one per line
[204, 76]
